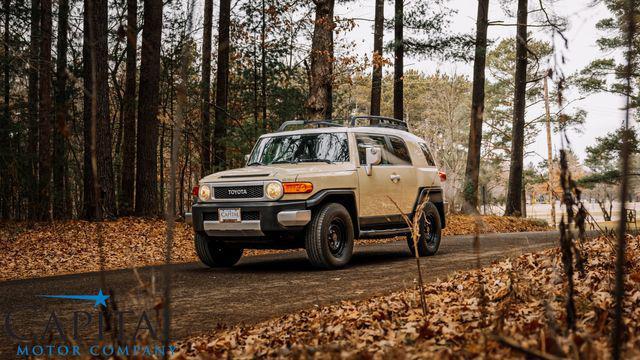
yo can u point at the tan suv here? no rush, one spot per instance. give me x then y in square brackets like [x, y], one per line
[318, 188]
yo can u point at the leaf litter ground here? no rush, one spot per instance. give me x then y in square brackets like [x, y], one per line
[523, 304]
[63, 247]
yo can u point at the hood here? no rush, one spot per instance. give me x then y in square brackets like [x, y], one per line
[283, 172]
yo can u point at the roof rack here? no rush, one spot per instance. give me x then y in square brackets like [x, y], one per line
[374, 121]
[380, 121]
[317, 123]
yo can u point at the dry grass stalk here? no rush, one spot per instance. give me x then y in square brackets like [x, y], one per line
[414, 227]
[529, 353]
[478, 224]
[619, 332]
[566, 236]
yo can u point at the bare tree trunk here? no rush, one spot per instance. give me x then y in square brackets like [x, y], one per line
[147, 139]
[205, 114]
[523, 211]
[549, 150]
[256, 116]
[32, 140]
[263, 67]
[472, 173]
[61, 204]
[96, 69]
[89, 206]
[222, 86]
[161, 161]
[514, 202]
[398, 64]
[319, 104]
[127, 179]
[376, 75]
[44, 124]
[5, 123]
[619, 333]
[103, 125]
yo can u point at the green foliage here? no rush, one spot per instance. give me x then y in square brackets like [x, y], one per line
[610, 177]
[499, 95]
[608, 74]
[499, 98]
[427, 32]
[285, 75]
[604, 156]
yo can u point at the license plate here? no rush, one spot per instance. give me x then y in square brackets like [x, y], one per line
[229, 215]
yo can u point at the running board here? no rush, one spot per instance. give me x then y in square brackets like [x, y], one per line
[367, 234]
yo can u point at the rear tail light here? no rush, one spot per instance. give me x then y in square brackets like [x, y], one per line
[442, 175]
[297, 187]
[195, 190]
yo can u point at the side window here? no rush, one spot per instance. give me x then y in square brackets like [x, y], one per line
[427, 154]
[366, 140]
[400, 153]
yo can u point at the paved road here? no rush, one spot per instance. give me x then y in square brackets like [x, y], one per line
[256, 289]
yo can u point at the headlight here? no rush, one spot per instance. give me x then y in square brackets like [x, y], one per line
[205, 193]
[274, 190]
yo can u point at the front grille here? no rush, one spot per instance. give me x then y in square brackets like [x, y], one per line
[245, 215]
[238, 192]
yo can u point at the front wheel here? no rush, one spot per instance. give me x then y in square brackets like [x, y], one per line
[329, 237]
[430, 232]
[215, 254]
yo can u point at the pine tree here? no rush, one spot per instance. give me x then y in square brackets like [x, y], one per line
[320, 102]
[45, 111]
[376, 75]
[147, 139]
[472, 173]
[127, 178]
[514, 204]
[205, 112]
[222, 87]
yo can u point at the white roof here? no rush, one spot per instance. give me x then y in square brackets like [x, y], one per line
[343, 129]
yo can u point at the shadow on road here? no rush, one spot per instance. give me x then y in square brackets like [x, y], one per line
[297, 262]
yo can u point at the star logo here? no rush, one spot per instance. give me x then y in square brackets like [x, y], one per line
[99, 299]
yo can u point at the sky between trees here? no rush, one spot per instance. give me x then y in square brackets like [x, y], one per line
[604, 110]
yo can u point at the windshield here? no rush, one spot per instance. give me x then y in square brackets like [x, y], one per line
[321, 147]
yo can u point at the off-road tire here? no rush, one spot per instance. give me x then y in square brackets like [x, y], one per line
[430, 236]
[214, 254]
[329, 237]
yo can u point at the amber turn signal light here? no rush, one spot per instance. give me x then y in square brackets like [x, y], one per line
[443, 175]
[297, 187]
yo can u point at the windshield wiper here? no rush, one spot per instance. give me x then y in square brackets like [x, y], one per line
[316, 160]
[254, 163]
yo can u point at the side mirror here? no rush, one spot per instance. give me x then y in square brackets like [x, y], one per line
[246, 158]
[373, 157]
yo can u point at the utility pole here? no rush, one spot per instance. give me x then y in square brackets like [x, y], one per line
[550, 152]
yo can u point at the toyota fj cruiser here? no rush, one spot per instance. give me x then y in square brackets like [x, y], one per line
[318, 187]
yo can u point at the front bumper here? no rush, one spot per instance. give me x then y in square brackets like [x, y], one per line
[257, 218]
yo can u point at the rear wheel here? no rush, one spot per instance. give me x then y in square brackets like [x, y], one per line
[430, 232]
[329, 237]
[215, 254]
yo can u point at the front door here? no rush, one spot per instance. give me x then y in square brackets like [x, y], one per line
[390, 189]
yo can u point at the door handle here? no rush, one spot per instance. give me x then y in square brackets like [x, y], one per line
[394, 178]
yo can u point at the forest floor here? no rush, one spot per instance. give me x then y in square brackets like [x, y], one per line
[512, 308]
[62, 247]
